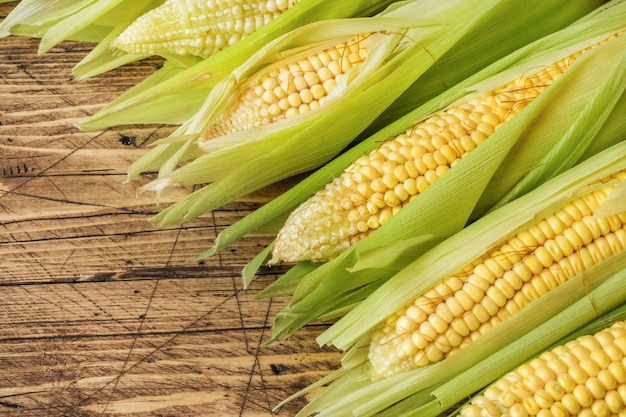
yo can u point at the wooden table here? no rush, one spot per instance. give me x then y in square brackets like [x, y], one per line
[101, 313]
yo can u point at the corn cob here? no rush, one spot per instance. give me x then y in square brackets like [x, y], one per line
[583, 377]
[197, 27]
[288, 90]
[498, 284]
[376, 186]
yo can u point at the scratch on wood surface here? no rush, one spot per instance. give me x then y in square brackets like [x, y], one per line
[127, 367]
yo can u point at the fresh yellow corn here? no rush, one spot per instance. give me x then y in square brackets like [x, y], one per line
[197, 27]
[498, 284]
[288, 90]
[583, 377]
[376, 186]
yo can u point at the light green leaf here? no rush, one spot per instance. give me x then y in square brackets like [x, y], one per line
[395, 255]
[39, 15]
[250, 269]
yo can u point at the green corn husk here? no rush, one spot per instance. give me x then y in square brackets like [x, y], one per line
[337, 123]
[430, 390]
[187, 85]
[488, 173]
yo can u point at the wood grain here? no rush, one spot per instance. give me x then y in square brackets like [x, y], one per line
[100, 313]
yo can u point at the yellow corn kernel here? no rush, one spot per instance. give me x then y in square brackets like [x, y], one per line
[429, 148]
[556, 397]
[257, 102]
[478, 304]
[197, 27]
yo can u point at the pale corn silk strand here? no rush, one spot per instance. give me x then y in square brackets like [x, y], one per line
[497, 285]
[584, 377]
[378, 185]
[198, 27]
[289, 90]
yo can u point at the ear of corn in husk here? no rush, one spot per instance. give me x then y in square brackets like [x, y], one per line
[498, 284]
[430, 391]
[378, 185]
[316, 292]
[536, 326]
[540, 342]
[531, 208]
[312, 138]
[189, 85]
[604, 304]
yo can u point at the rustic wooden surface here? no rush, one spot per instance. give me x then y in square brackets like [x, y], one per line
[100, 313]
